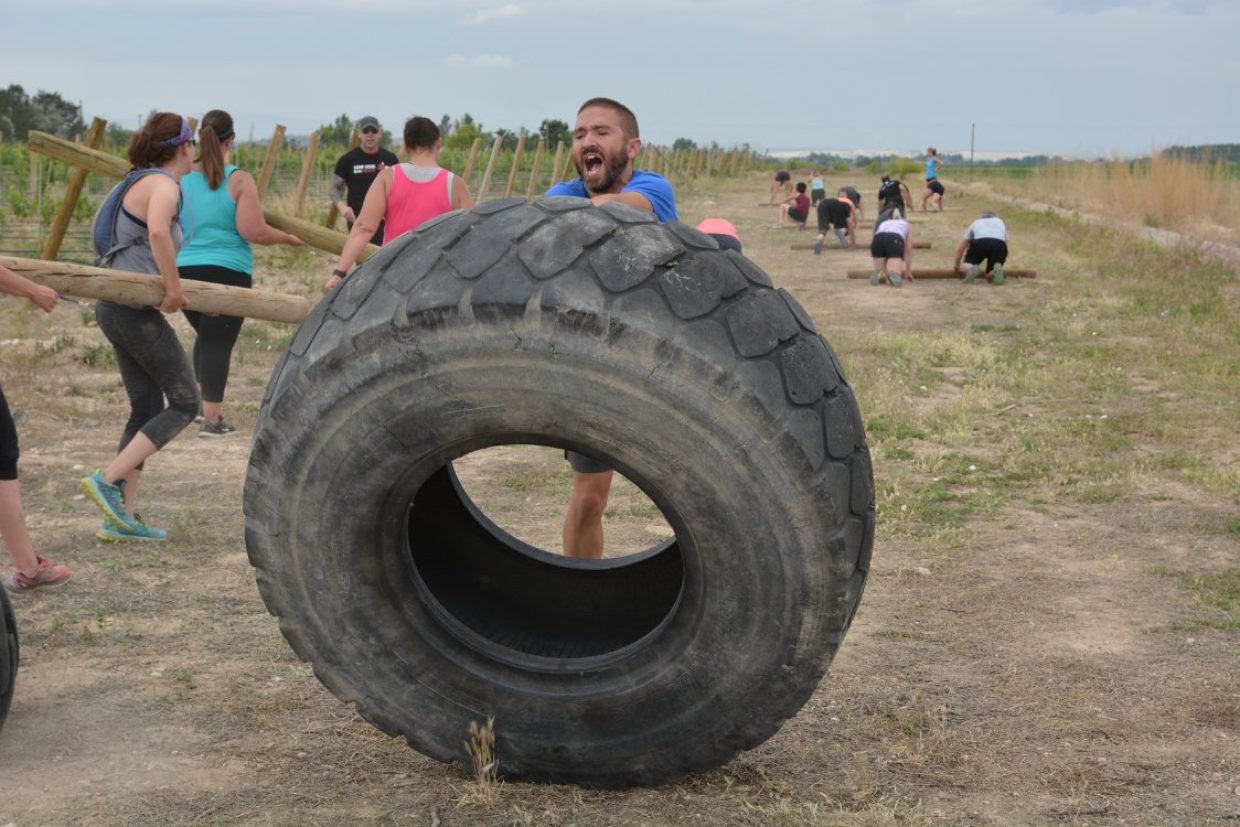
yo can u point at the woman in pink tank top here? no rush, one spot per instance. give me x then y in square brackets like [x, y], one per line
[405, 196]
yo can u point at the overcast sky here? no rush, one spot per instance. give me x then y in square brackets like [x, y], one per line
[1067, 77]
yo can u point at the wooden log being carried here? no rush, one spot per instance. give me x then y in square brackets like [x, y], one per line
[919, 273]
[147, 290]
[110, 166]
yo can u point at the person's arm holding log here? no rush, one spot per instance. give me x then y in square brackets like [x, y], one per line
[44, 298]
[374, 207]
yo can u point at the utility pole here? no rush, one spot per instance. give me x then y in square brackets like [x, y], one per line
[972, 137]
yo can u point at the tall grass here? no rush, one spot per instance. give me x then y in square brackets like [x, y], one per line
[1165, 191]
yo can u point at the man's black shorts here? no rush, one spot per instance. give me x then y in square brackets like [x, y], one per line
[797, 216]
[992, 250]
[887, 245]
[832, 211]
[934, 186]
[583, 464]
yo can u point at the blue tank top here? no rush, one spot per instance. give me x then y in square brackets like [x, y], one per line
[932, 168]
[210, 221]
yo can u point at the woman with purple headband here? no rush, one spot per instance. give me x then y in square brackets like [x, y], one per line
[152, 364]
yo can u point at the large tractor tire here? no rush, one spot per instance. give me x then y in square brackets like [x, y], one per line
[10, 652]
[640, 344]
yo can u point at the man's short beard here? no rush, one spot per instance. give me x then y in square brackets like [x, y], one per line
[612, 168]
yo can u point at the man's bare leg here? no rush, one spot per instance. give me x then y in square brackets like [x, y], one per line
[583, 524]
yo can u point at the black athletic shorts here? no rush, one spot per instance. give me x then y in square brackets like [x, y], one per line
[583, 464]
[992, 250]
[887, 245]
[836, 213]
[934, 186]
[797, 216]
[815, 196]
[9, 451]
[783, 175]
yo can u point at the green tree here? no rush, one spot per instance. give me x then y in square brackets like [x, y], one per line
[340, 132]
[683, 143]
[462, 136]
[445, 127]
[553, 131]
[46, 112]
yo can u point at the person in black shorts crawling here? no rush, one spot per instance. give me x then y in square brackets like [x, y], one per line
[783, 178]
[892, 248]
[855, 197]
[984, 241]
[894, 190]
[837, 212]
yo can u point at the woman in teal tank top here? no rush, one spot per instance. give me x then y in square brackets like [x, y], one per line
[222, 217]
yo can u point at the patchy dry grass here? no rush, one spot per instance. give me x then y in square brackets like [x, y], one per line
[1049, 634]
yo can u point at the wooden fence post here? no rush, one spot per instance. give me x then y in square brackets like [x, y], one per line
[516, 161]
[568, 164]
[72, 193]
[486, 176]
[469, 163]
[307, 167]
[269, 162]
[354, 142]
[104, 163]
[32, 186]
[538, 153]
[555, 165]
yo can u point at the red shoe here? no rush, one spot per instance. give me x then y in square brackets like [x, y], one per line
[48, 573]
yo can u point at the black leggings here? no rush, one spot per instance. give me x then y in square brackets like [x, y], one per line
[152, 366]
[8, 442]
[217, 335]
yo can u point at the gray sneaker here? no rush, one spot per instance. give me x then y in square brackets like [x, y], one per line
[896, 280]
[217, 429]
[998, 274]
[971, 276]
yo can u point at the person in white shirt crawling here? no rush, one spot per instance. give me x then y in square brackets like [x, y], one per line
[985, 242]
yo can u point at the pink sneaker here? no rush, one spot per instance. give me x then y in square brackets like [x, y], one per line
[49, 573]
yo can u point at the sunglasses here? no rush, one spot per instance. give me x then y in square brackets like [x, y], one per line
[370, 130]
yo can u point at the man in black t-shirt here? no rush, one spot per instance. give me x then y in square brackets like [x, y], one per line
[357, 169]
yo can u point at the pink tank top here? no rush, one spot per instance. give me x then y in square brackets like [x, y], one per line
[411, 203]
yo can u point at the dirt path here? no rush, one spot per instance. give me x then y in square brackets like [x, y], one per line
[1027, 660]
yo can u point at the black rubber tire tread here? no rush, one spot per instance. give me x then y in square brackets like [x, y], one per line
[10, 655]
[593, 329]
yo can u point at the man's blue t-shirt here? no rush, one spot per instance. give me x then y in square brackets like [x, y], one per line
[656, 188]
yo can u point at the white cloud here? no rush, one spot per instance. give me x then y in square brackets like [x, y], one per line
[481, 61]
[500, 13]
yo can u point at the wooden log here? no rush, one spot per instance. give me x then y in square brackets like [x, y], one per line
[102, 163]
[269, 160]
[320, 238]
[307, 169]
[332, 214]
[921, 273]
[486, 176]
[56, 235]
[555, 165]
[469, 162]
[831, 244]
[516, 164]
[532, 185]
[140, 288]
[565, 173]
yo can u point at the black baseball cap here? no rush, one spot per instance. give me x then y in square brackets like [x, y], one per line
[369, 121]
